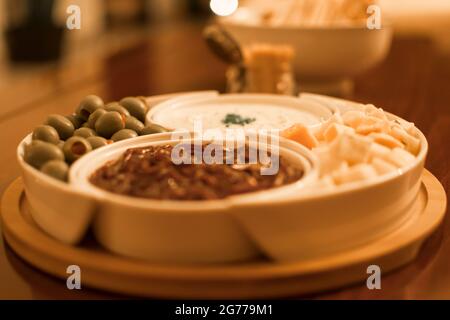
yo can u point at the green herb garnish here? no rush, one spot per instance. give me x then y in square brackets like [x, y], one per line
[233, 118]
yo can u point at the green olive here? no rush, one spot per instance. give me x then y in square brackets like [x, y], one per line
[133, 124]
[109, 123]
[123, 134]
[76, 147]
[84, 133]
[97, 142]
[115, 106]
[63, 125]
[60, 144]
[94, 117]
[88, 105]
[57, 169]
[46, 133]
[144, 100]
[76, 120]
[31, 144]
[135, 106]
[153, 128]
[38, 153]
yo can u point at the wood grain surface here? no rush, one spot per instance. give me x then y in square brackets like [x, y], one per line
[413, 82]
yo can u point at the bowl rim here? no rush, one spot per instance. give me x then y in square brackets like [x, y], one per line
[317, 193]
[183, 101]
[387, 25]
[310, 176]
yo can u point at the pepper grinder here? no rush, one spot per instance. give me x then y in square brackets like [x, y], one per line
[258, 68]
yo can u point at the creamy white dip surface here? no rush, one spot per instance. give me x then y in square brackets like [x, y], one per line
[212, 115]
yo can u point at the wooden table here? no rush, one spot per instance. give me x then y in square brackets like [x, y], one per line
[414, 83]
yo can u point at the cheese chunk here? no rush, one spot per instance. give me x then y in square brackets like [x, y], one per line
[352, 148]
[371, 124]
[381, 166]
[399, 157]
[373, 111]
[327, 161]
[358, 172]
[386, 140]
[412, 143]
[353, 118]
[409, 127]
[378, 151]
[334, 130]
[334, 119]
[301, 134]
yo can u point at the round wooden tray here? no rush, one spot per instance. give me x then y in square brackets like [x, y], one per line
[259, 279]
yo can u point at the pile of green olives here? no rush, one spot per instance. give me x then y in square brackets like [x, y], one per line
[62, 140]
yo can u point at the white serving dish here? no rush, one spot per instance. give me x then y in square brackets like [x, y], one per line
[325, 56]
[284, 224]
[174, 231]
[180, 113]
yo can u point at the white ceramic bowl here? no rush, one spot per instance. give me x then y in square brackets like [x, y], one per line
[56, 207]
[323, 55]
[180, 113]
[176, 231]
[322, 222]
[285, 223]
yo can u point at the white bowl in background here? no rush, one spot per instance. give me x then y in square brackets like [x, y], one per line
[325, 57]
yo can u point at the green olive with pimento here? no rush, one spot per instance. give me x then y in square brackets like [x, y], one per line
[61, 140]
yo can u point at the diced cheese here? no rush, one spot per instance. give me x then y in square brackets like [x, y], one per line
[301, 134]
[334, 119]
[352, 148]
[362, 144]
[399, 157]
[412, 143]
[386, 140]
[353, 118]
[378, 151]
[373, 111]
[409, 127]
[381, 166]
[371, 124]
[358, 172]
[327, 161]
[334, 130]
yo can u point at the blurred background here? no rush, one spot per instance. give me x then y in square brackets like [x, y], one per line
[138, 47]
[146, 47]
[41, 58]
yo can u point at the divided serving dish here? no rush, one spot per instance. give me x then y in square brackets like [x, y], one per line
[295, 222]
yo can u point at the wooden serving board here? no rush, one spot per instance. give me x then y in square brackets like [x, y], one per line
[258, 279]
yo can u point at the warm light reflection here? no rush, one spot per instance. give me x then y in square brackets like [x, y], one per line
[224, 7]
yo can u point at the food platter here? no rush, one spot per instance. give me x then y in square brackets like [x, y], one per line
[298, 198]
[255, 279]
